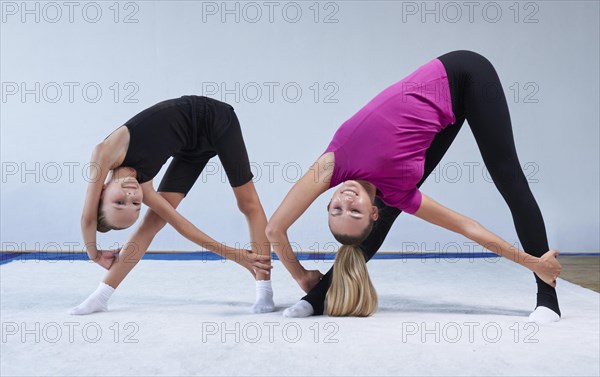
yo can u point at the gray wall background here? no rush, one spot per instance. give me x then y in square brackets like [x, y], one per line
[73, 72]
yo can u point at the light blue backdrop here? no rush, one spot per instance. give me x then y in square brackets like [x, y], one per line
[72, 72]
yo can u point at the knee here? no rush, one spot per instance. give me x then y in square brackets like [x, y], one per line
[249, 205]
[153, 222]
[514, 188]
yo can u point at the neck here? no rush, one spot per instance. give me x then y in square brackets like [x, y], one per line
[371, 189]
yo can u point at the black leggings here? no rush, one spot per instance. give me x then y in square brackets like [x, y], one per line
[478, 97]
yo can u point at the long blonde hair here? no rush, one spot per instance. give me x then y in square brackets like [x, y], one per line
[351, 293]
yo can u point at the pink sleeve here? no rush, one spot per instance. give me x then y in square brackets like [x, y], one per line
[412, 203]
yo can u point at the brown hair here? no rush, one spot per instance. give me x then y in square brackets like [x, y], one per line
[102, 224]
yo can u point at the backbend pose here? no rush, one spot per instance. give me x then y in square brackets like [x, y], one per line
[192, 130]
[383, 154]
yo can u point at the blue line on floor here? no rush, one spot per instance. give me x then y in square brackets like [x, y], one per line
[7, 257]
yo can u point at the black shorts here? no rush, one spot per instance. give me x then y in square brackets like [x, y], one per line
[224, 139]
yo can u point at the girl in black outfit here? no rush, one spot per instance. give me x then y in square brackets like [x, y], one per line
[192, 130]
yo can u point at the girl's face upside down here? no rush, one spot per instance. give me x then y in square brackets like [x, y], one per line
[121, 201]
[351, 208]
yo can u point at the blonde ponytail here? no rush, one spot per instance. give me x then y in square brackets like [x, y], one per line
[351, 292]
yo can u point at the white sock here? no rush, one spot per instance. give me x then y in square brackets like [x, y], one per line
[96, 302]
[264, 297]
[543, 315]
[298, 310]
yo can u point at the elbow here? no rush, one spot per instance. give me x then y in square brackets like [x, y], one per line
[273, 231]
[97, 149]
[86, 221]
[98, 152]
[471, 229]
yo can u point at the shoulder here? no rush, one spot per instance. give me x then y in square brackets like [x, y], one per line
[114, 148]
[325, 166]
[327, 158]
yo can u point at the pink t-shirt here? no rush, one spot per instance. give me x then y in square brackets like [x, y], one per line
[385, 142]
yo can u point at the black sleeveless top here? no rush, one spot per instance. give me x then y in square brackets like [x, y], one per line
[169, 128]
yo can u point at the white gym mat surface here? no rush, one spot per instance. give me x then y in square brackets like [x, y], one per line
[184, 318]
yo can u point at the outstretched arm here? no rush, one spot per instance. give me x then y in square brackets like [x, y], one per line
[301, 196]
[546, 267]
[100, 166]
[165, 210]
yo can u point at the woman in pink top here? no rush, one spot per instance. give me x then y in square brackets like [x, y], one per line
[382, 155]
